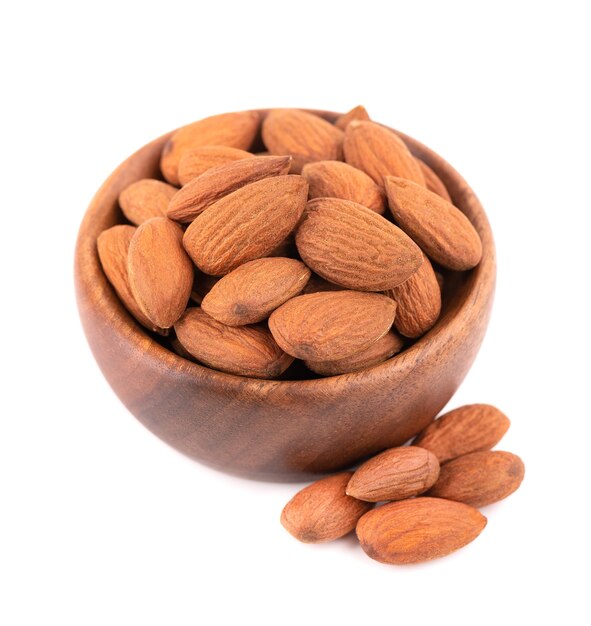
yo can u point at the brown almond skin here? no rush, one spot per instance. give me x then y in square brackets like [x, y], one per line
[252, 291]
[205, 190]
[479, 478]
[433, 182]
[244, 350]
[331, 325]
[395, 474]
[443, 231]
[113, 247]
[218, 241]
[236, 130]
[350, 245]
[384, 348]
[417, 530]
[379, 152]
[419, 302]
[469, 428]
[335, 179]
[198, 160]
[305, 136]
[145, 199]
[358, 113]
[322, 511]
[160, 272]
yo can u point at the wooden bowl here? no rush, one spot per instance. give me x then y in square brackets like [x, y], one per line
[279, 430]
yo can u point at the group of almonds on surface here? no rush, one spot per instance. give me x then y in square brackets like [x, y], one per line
[432, 490]
[284, 236]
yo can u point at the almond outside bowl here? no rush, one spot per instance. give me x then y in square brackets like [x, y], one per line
[279, 430]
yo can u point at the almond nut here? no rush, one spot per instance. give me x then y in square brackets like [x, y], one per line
[198, 160]
[160, 272]
[469, 428]
[479, 478]
[443, 231]
[243, 350]
[331, 325]
[395, 474]
[247, 224]
[145, 199]
[419, 529]
[352, 246]
[252, 291]
[322, 511]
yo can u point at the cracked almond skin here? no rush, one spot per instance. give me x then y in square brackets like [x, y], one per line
[160, 272]
[442, 230]
[479, 478]
[379, 152]
[419, 302]
[331, 325]
[351, 245]
[113, 248]
[252, 291]
[246, 224]
[358, 113]
[395, 474]
[145, 199]
[235, 130]
[205, 190]
[242, 350]
[322, 511]
[469, 428]
[305, 136]
[198, 160]
[384, 348]
[433, 182]
[335, 179]
[417, 530]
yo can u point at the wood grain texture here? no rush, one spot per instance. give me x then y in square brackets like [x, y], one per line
[286, 429]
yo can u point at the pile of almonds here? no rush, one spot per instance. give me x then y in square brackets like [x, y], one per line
[451, 467]
[283, 237]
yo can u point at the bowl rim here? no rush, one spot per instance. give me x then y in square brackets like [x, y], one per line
[480, 283]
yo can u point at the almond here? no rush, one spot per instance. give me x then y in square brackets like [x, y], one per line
[395, 474]
[113, 247]
[350, 245]
[479, 478]
[331, 325]
[198, 160]
[469, 428]
[306, 137]
[236, 130]
[244, 350]
[379, 152]
[357, 113]
[335, 179]
[252, 291]
[145, 199]
[416, 530]
[322, 511]
[443, 231]
[419, 301]
[384, 348]
[247, 224]
[160, 272]
[433, 182]
[203, 191]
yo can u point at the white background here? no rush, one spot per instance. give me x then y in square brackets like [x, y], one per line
[100, 522]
